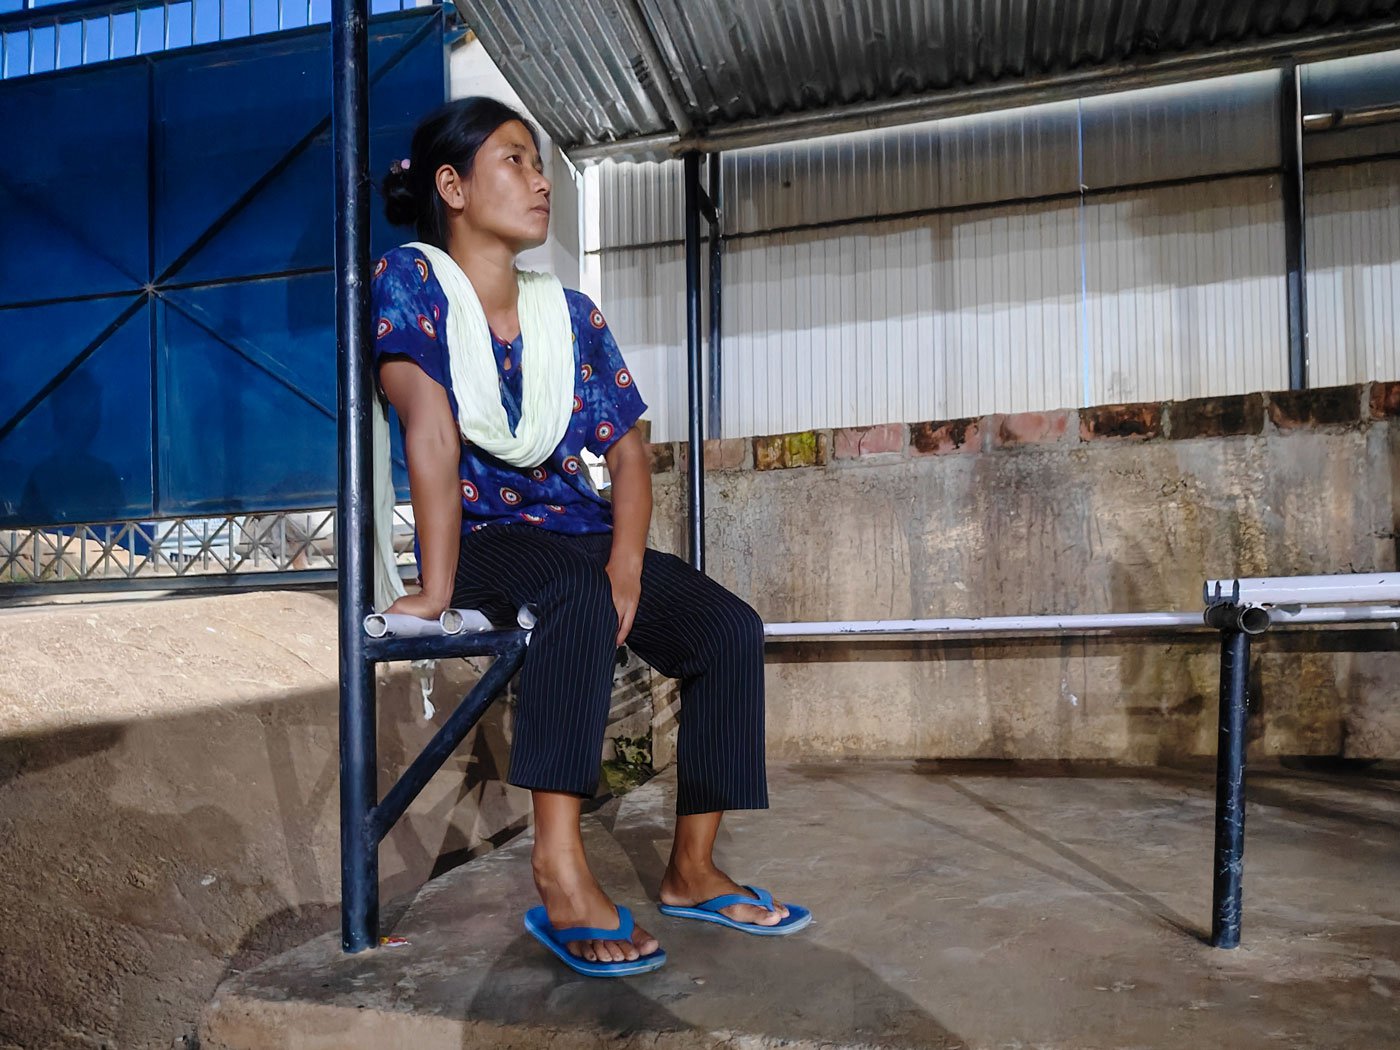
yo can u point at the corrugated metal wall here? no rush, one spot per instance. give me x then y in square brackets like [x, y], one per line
[1354, 226]
[955, 268]
[1184, 292]
[1184, 131]
[925, 318]
[1354, 272]
[642, 294]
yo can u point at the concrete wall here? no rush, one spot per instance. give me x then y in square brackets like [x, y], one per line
[1124, 508]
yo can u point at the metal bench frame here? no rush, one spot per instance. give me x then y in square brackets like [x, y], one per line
[1234, 611]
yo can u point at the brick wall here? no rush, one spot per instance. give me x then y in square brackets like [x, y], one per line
[1208, 417]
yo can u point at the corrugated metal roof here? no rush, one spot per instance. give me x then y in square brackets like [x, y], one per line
[655, 74]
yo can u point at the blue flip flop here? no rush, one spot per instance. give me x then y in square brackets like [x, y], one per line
[708, 911]
[537, 922]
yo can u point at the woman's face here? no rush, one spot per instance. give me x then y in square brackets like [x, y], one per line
[507, 194]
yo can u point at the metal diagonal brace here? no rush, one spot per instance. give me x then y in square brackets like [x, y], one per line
[246, 352]
[59, 377]
[397, 800]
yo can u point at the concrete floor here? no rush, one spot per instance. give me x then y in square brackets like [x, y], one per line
[957, 906]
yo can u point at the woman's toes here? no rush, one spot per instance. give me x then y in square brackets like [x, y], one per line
[762, 916]
[613, 951]
[753, 915]
[642, 942]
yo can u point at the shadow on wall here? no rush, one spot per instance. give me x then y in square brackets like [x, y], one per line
[72, 482]
[144, 860]
[1193, 235]
[1167, 703]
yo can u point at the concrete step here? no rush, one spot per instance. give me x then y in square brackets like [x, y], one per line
[956, 907]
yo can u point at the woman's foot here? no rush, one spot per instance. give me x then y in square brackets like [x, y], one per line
[685, 886]
[572, 897]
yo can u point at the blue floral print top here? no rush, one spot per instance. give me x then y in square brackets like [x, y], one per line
[409, 314]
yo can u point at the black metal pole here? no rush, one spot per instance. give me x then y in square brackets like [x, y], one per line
[1294, 224]
[359, 853]
[696, 374]
[1229, 790]
[716, 295]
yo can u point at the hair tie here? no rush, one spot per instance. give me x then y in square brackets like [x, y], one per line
[399, 165]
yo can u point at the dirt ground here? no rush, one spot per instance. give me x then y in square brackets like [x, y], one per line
[169, 808]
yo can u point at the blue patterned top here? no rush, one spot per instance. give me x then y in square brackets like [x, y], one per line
[409, 313]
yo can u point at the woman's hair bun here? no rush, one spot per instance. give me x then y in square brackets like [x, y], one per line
[400, 202]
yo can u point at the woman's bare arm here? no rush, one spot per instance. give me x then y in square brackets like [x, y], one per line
[629, 465]
[434, 449]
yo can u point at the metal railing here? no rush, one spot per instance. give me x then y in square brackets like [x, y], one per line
[1240, 610]
[294, 546]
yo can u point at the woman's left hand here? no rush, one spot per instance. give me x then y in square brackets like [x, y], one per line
[626, 592]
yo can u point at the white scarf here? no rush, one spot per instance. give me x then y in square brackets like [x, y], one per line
[547, 395]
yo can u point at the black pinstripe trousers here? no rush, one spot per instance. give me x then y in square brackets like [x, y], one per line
[687, 626]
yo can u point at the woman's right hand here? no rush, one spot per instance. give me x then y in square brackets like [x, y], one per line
[424, 606]
[434, 450]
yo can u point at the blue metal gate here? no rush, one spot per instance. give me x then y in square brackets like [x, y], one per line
[167, 337]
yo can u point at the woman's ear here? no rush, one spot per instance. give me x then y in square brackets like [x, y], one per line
[451, 187]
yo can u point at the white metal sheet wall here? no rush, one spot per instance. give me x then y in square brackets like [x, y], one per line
[1180, 131]
[1172, 292]
[961, 161]
[1185, 292]
[1359, 82]
[1354, 272]
[873, 314]
[1215, 127]
[642, 294]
